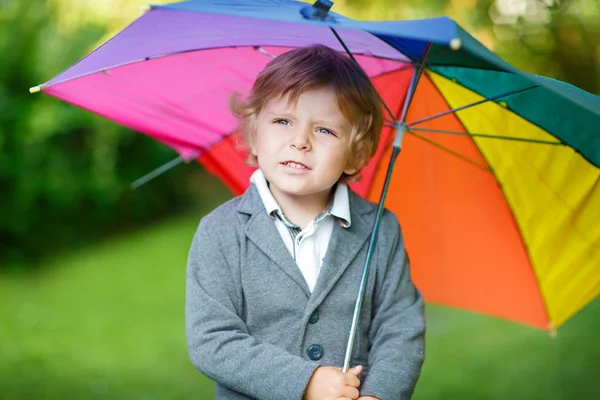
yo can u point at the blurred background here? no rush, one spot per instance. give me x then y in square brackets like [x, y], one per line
[92, 272]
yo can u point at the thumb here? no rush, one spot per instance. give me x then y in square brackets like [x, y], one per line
[356, 370]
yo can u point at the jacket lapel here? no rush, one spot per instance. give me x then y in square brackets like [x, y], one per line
[344, 246]
[263, 233]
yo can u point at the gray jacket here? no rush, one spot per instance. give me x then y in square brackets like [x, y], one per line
[254, 327]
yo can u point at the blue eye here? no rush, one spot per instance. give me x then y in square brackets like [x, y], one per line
[282, 122]
[325, 131]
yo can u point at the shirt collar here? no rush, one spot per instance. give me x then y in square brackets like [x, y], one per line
[339, 209]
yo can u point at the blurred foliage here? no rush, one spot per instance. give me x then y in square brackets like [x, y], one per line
[64, 172]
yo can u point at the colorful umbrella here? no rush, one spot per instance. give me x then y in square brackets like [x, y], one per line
[497, 187]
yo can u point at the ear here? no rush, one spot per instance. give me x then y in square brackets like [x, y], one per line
[350, 170]
[252, 147]
[353, 165]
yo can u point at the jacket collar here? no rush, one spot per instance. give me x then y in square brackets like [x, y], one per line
[344, 246]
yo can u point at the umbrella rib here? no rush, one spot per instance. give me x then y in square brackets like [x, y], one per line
[485, 100]
[388, 122]
[487, 136]
[454, 153]
[416, 78]
[43, 86]
[156, 172]
[263, 51]
[337, 36]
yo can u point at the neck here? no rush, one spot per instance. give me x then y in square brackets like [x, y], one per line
[301, 210]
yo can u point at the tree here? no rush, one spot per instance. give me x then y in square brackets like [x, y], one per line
[65, 172]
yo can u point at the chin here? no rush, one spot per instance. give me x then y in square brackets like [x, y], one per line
[292, 191]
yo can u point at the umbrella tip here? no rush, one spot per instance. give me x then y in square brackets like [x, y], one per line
[455, 44]
[35, 89]
[145, 8]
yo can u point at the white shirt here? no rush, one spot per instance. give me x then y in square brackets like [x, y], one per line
[309, 246]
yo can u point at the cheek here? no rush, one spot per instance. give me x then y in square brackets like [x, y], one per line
[262, 145]
[337, 159]
[257, 140]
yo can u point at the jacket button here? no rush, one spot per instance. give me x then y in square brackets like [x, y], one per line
[315, 352]
[314, 317]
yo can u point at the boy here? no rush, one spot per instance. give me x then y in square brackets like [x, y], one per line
[273, 274]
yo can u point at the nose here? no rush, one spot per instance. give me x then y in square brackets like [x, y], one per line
[301, 139]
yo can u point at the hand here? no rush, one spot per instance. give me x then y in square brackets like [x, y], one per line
[330, 383]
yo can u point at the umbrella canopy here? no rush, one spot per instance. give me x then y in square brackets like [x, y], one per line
[497, 188]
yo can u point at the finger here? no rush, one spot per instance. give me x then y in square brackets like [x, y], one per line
[351, 380]
[350, 392]
[356, 370]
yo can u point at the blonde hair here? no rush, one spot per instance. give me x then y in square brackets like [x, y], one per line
[309, 68]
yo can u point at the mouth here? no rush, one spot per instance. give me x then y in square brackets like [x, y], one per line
[294, 164]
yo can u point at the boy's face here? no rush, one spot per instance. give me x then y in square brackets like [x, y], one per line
[303, 148]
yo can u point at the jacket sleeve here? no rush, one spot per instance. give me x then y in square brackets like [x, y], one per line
[218, 341]
[398, 325]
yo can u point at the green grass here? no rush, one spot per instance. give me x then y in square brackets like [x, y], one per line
[107, 323]
[103, 323]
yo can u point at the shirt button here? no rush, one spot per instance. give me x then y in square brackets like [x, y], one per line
[314, 317]
[315, 352]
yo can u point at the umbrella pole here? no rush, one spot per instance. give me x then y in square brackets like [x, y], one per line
[363, 282]
[401, 128]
